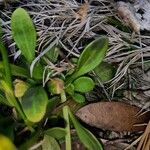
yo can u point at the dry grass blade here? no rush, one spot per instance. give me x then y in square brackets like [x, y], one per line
[133, 143]
[144, 143]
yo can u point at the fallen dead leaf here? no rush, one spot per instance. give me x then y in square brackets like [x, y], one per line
[114, 116]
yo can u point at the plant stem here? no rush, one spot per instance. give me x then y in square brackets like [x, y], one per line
[68, 135]
[7, 83]
[6, 64]
[63, 97]
[66, 117]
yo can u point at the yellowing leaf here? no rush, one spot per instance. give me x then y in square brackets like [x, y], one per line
[56, 86]
[6, 144]
[20, 88]
[34, 103]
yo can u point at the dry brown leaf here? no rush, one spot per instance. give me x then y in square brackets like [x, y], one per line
[114, 116]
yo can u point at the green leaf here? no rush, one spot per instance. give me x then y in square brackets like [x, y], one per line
[7, 72]
[105, 71]
[34, 103]
[70, 89]
[34, 138]
[52, 54]
[56, 132]
[74, 60]
[85, 136]
[91, 57]
[83, 84]
[17, 70]
[38, 71]
[8, 92]
[52, 103]
[3, 99]
[78, 98]
[49, 143]
[24, 33]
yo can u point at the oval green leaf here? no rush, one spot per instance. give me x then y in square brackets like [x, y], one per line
[49, 143]
[83, 84]
[24, 33]
[85, 136]
[91, 57]
[78, 98]
[34, 103]
[56, 132]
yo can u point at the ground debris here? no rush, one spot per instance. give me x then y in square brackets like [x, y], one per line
[136, 15]
[114, 116]
[116, 145]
